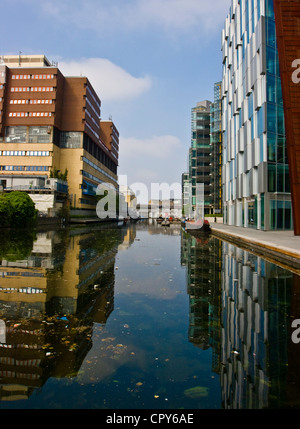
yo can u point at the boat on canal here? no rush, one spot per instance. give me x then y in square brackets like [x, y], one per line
[199, 226]
[160, 219]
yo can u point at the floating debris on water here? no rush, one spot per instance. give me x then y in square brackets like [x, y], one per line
[197, 392]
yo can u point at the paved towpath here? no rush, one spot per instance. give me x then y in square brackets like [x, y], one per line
[283, 246]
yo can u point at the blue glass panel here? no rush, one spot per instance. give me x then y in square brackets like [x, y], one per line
[271, 147]
[271, 177]
[271, 33]
[271, 117]
[250, 105]
[271, 88]
[280, 121]
[261, 120]
[261, 147]
[270, 9]
[287, 179]
[280, 178]
[271, 60]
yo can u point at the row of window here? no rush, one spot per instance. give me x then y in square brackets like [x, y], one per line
[24, 168]
[97, 113]
[89, 202]
[21, 274]
[92, 118]
[93, 131]
[32, 89]
[24, 134]
[29, 114]
[32, 76]
[24, 153]
[31, 101]
[92, 164]
[90, 94]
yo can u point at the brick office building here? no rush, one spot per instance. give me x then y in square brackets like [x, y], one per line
[49, 121]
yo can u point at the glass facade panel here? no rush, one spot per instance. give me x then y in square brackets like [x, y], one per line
[70, 139]
[271, 89]
[15, 134]
[280, 178]
[272, 147]
[253, 113]
[280, 120]
[261, 120]
[272, 178]
[287, 179]
[280, 214]
[270, 9]
[271, 118]
[271, 62]
[39, 135]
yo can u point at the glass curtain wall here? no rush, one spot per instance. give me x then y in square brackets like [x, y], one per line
[278, 172]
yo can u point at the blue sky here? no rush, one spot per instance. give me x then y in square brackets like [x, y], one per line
[150, 62]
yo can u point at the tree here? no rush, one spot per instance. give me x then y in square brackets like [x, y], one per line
[16, 244]
[5, 211]
[23, 212]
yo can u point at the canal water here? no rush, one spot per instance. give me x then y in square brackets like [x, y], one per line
[144, 317]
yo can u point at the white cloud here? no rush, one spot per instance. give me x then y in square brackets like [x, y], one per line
[155, 146]
[184, 15]
[170, 15]
[110, 81]
[151, 160]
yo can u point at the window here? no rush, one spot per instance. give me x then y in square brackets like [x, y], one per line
[39, 134]
[15, 134]
[42, 88]
[13, 153]
[42, 76]
[18, 114]
[37, 168]
[19, 101]
[39, 114]
[20, 76]
[40, 101]
[20, 89]
[70, 139]
[12, 168]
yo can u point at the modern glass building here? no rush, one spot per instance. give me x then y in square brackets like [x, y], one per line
[199, 153]
[216, 150]
[256, 187]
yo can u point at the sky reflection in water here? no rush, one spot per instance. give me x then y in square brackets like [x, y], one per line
[147, 317]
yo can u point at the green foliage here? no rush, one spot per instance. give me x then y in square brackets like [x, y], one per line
[64, 213]
[16, 244]
[17, 210]
[56, 174]
[5, 211]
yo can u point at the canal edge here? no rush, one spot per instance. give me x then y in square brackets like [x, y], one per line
[283, 257]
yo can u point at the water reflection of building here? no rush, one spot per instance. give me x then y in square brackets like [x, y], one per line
[49, 301]
[202, 257]
[154, 228]
[255, 335]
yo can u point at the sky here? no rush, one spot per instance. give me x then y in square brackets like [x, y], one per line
[150, 62]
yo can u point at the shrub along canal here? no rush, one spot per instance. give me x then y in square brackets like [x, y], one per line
[143, 317]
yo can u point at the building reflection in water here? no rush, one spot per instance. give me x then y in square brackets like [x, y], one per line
[53, 287]
[202, 258]
[242, 306]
